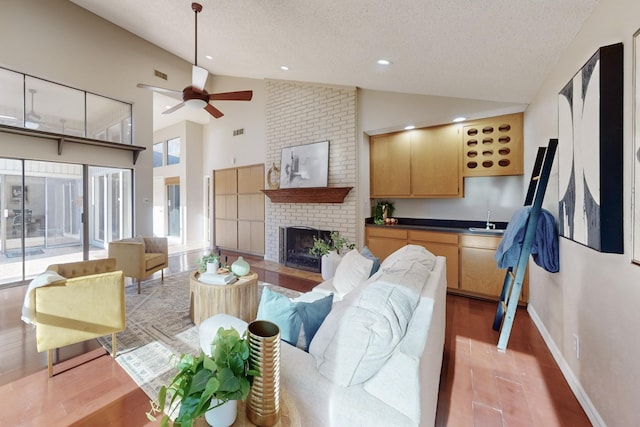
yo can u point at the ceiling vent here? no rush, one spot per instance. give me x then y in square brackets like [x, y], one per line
[160, 74]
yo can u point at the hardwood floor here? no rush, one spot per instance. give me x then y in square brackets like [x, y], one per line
[479, 385]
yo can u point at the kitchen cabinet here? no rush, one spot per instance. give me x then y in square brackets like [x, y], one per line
[471, 268]
[479, 272]
[435, 162]
[443, 244]
[421, 163]
[384, 241]
[494, 146]
[390, 170]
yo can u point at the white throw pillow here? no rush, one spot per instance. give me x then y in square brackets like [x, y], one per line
[356, 339]
[353, 270]
[411, 253]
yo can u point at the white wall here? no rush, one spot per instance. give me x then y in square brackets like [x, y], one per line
[595, 295]
[58, 41]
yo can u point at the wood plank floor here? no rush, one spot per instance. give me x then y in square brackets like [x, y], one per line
[479, 385]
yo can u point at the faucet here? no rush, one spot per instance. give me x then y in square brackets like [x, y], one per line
[490, 225]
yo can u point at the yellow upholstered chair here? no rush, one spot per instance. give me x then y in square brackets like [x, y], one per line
[140, 257]
[88, 303]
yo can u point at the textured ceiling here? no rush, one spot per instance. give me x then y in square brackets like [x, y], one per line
[499, 50]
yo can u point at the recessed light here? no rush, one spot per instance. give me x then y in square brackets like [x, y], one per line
[459, 119]
[208, 56]
[384, 62]
[284, 68]
[409, 127]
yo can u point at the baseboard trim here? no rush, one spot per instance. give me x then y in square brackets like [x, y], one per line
[574, 384]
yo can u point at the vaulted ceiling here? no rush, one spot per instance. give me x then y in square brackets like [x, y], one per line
[499, 50]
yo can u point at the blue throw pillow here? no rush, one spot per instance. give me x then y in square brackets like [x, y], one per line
[291, 316]
[366, 252]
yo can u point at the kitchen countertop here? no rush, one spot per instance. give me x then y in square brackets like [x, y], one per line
[445, 225]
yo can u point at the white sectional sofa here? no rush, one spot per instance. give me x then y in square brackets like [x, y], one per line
[376, 358]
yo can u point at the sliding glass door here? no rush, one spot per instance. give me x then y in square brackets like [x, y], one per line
[42, 205]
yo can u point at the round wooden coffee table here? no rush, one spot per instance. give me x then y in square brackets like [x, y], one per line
[289, 416]
[239, 299]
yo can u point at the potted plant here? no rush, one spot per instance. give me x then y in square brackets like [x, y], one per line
[330, 251]
[335, 243]
[206, 382]
[212, 258]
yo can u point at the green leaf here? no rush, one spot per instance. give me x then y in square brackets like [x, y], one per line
[199, 381]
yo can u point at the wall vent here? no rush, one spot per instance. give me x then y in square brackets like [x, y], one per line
[238, 132]
[160, 74]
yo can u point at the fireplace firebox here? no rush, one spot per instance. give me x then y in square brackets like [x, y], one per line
[295, 245]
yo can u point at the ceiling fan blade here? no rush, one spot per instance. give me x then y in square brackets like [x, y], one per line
[175, 93]
[243, 95]
[213, 111]
[199, 77]
[174, 108]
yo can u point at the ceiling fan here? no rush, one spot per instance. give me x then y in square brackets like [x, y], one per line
[32, 119]
[196, 96]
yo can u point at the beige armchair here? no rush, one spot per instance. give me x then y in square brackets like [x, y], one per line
[88, 303]
[140, 257]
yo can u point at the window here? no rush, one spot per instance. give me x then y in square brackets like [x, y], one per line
[158, 154]
[173, 151]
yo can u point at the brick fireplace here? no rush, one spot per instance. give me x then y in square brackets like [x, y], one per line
[300, 113]
[295, 243]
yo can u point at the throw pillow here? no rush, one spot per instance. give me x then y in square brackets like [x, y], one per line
[298, 321]
[366, 252]
[353, 270]
[356, 339]
[411, 253]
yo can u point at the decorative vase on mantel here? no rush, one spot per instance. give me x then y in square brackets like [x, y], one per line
[329, 263]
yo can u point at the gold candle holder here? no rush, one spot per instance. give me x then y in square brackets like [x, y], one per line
[263, 402]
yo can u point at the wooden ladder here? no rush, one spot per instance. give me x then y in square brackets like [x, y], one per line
[512, 286]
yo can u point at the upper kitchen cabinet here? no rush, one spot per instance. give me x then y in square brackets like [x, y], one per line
[390, 170]
[493, 146]
[421, 163]
[435, 162]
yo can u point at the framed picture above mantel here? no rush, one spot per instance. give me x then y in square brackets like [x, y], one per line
[304, 166]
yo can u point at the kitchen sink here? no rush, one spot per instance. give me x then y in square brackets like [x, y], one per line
[485, 230]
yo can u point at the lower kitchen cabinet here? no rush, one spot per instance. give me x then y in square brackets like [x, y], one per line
[471, 268]
[442, 244]
[479, 272]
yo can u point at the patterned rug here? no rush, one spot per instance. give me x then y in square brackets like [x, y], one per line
[159, 327]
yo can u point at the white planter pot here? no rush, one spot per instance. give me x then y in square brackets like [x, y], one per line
[222, 416]
[329, 263]
[212, 267]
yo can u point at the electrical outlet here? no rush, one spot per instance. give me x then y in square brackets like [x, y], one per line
[576, 345]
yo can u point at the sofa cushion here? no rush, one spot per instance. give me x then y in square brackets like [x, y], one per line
[298, 320]
[411, 253]
[153, 260]
[358, 336]
[353, 270]
[366, 252]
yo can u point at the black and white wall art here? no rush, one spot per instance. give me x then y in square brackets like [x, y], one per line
[305, 165]
[591, 153]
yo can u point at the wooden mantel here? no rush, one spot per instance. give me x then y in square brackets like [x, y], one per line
[308, 195]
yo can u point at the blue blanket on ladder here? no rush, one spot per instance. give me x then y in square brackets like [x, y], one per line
[545, 243]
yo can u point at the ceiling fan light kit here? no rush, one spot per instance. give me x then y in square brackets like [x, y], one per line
[195, 96]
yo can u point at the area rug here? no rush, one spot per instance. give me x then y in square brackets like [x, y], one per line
[159, 329]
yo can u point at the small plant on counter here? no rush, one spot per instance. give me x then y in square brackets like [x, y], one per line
[336, 243]
[379, 214]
